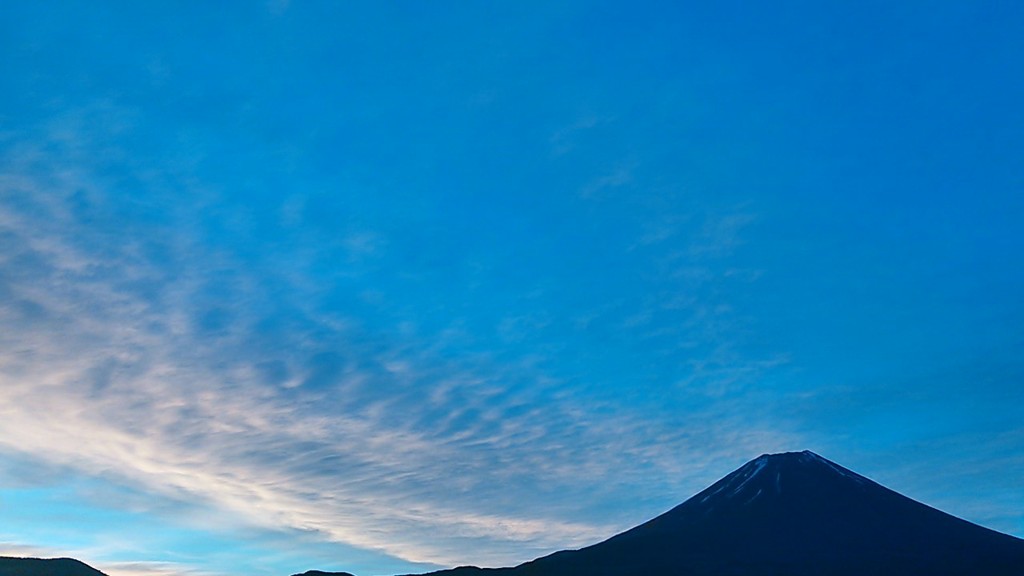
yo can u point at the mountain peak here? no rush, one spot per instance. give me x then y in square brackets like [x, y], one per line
[772, 474]
[802, 457]
[800, 514]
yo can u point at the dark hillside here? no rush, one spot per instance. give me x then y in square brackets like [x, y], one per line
[792, 514]
[45, 567]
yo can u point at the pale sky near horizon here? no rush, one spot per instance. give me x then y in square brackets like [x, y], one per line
[390, 287]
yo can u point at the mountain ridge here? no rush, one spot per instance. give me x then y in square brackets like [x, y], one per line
[792, 513]
[785, 514]
[16, 566]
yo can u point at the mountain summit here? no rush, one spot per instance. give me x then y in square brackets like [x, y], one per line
[792, 514]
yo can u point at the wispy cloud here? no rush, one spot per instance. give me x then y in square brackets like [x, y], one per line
[150, 356]
[149, 569]
[621, 175]
[563, 140]
[17, 550]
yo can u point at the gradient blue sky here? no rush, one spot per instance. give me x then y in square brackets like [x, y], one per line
[385, 287]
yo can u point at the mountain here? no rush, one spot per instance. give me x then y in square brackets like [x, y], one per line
[45, 567]
[791, 514]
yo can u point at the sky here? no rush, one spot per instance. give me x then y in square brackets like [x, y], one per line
[387, 287]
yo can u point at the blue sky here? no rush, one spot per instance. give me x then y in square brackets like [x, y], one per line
[295, 285]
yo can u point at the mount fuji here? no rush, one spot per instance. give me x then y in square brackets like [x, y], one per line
[790, 514]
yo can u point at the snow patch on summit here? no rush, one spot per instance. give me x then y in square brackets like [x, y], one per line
[808, 456]
[758, 466]
[754, 497]
[741, 485]
[740, 479]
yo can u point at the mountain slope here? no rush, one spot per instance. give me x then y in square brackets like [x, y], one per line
[45, 567]
[792, 514]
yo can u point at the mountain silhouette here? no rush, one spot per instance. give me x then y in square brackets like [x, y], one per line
[791, 514]
[45, 567]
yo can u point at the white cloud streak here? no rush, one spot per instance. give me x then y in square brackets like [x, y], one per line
[141, 354]
[17, 550]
